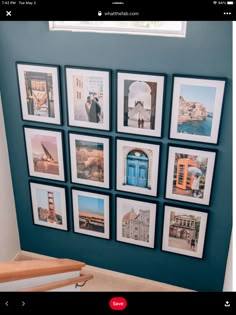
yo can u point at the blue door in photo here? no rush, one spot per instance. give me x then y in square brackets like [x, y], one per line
[137, 169]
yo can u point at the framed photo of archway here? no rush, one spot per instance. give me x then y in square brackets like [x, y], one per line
[140, 103]
[137, 167]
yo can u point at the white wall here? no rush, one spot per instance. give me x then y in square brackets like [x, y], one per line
[9, 235]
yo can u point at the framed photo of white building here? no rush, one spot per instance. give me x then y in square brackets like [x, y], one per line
[196, 108]
[137, 167]
[88, 97]
[39, 92]
[184, 231]
[135, 221]
[140, 102]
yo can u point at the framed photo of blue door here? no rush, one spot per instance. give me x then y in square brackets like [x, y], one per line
[137, 167]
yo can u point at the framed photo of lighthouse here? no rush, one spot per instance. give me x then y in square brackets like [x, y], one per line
[49, 206]
[184, 231]
[88, 97]
[39, 92]
[190, 174]
[44, 153]
[140, 103]
[91, 213]
[137, 167]
[90, 160]
[135, 222]
[196, 108]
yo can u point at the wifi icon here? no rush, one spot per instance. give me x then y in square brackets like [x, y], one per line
[215, 2]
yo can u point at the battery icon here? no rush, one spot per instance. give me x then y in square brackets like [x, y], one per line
[230, 2]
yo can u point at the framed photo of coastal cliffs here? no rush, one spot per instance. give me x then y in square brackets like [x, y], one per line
[196, 108]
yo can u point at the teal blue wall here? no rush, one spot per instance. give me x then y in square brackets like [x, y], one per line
[206, 51]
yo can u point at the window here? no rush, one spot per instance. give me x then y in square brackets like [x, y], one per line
[156, 28]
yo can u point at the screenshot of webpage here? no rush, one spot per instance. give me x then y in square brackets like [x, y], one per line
[119, 126]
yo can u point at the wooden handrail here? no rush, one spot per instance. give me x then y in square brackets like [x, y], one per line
[58, 284]
[18, 270]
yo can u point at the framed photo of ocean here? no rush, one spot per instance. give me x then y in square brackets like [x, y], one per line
[196, 108]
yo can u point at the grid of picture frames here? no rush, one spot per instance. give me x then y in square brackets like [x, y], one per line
[195, 116]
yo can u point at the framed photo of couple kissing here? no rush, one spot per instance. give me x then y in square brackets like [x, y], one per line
[88, 97]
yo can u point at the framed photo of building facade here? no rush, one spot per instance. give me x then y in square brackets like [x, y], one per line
[136, 222]
[184, 231]
[91, 212]
[88, 97]
[90, 160]
[196, 108]
[44, 153]
[140, 102]
[190, 174]
[137, 167]
[39, 92]
[49, 206]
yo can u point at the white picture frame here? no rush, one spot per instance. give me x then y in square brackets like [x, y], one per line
[81, 84]
[92, 167]
[196, 108]
[141, 178]
[39, 92]
[190, 174]
[91, 213]
[135, 222]
[49, 206]
[140, 98]
[44, 153]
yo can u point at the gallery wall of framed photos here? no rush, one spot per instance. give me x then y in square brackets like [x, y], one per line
[120, 149]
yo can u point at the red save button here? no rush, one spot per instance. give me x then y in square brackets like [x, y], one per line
[118, 303]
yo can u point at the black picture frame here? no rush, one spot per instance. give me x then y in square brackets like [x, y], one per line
[156, 121]
[183, 149]
[152, 192]
[90, 192]
[28, 107]
[91, 138]
[33, 203]
[71, 121]
[141, 243]
[31, 172]
[207, 122]
[179, 238]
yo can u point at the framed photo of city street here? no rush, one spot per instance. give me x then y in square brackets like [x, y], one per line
[49, 206]
[88, 97]
[136, 222]
[44, 153]
[190, 174]
[184, 231]
[39, 92]
[137, 167]
[90, 160]
[140, 102]
[91, 213]
[196, 108]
